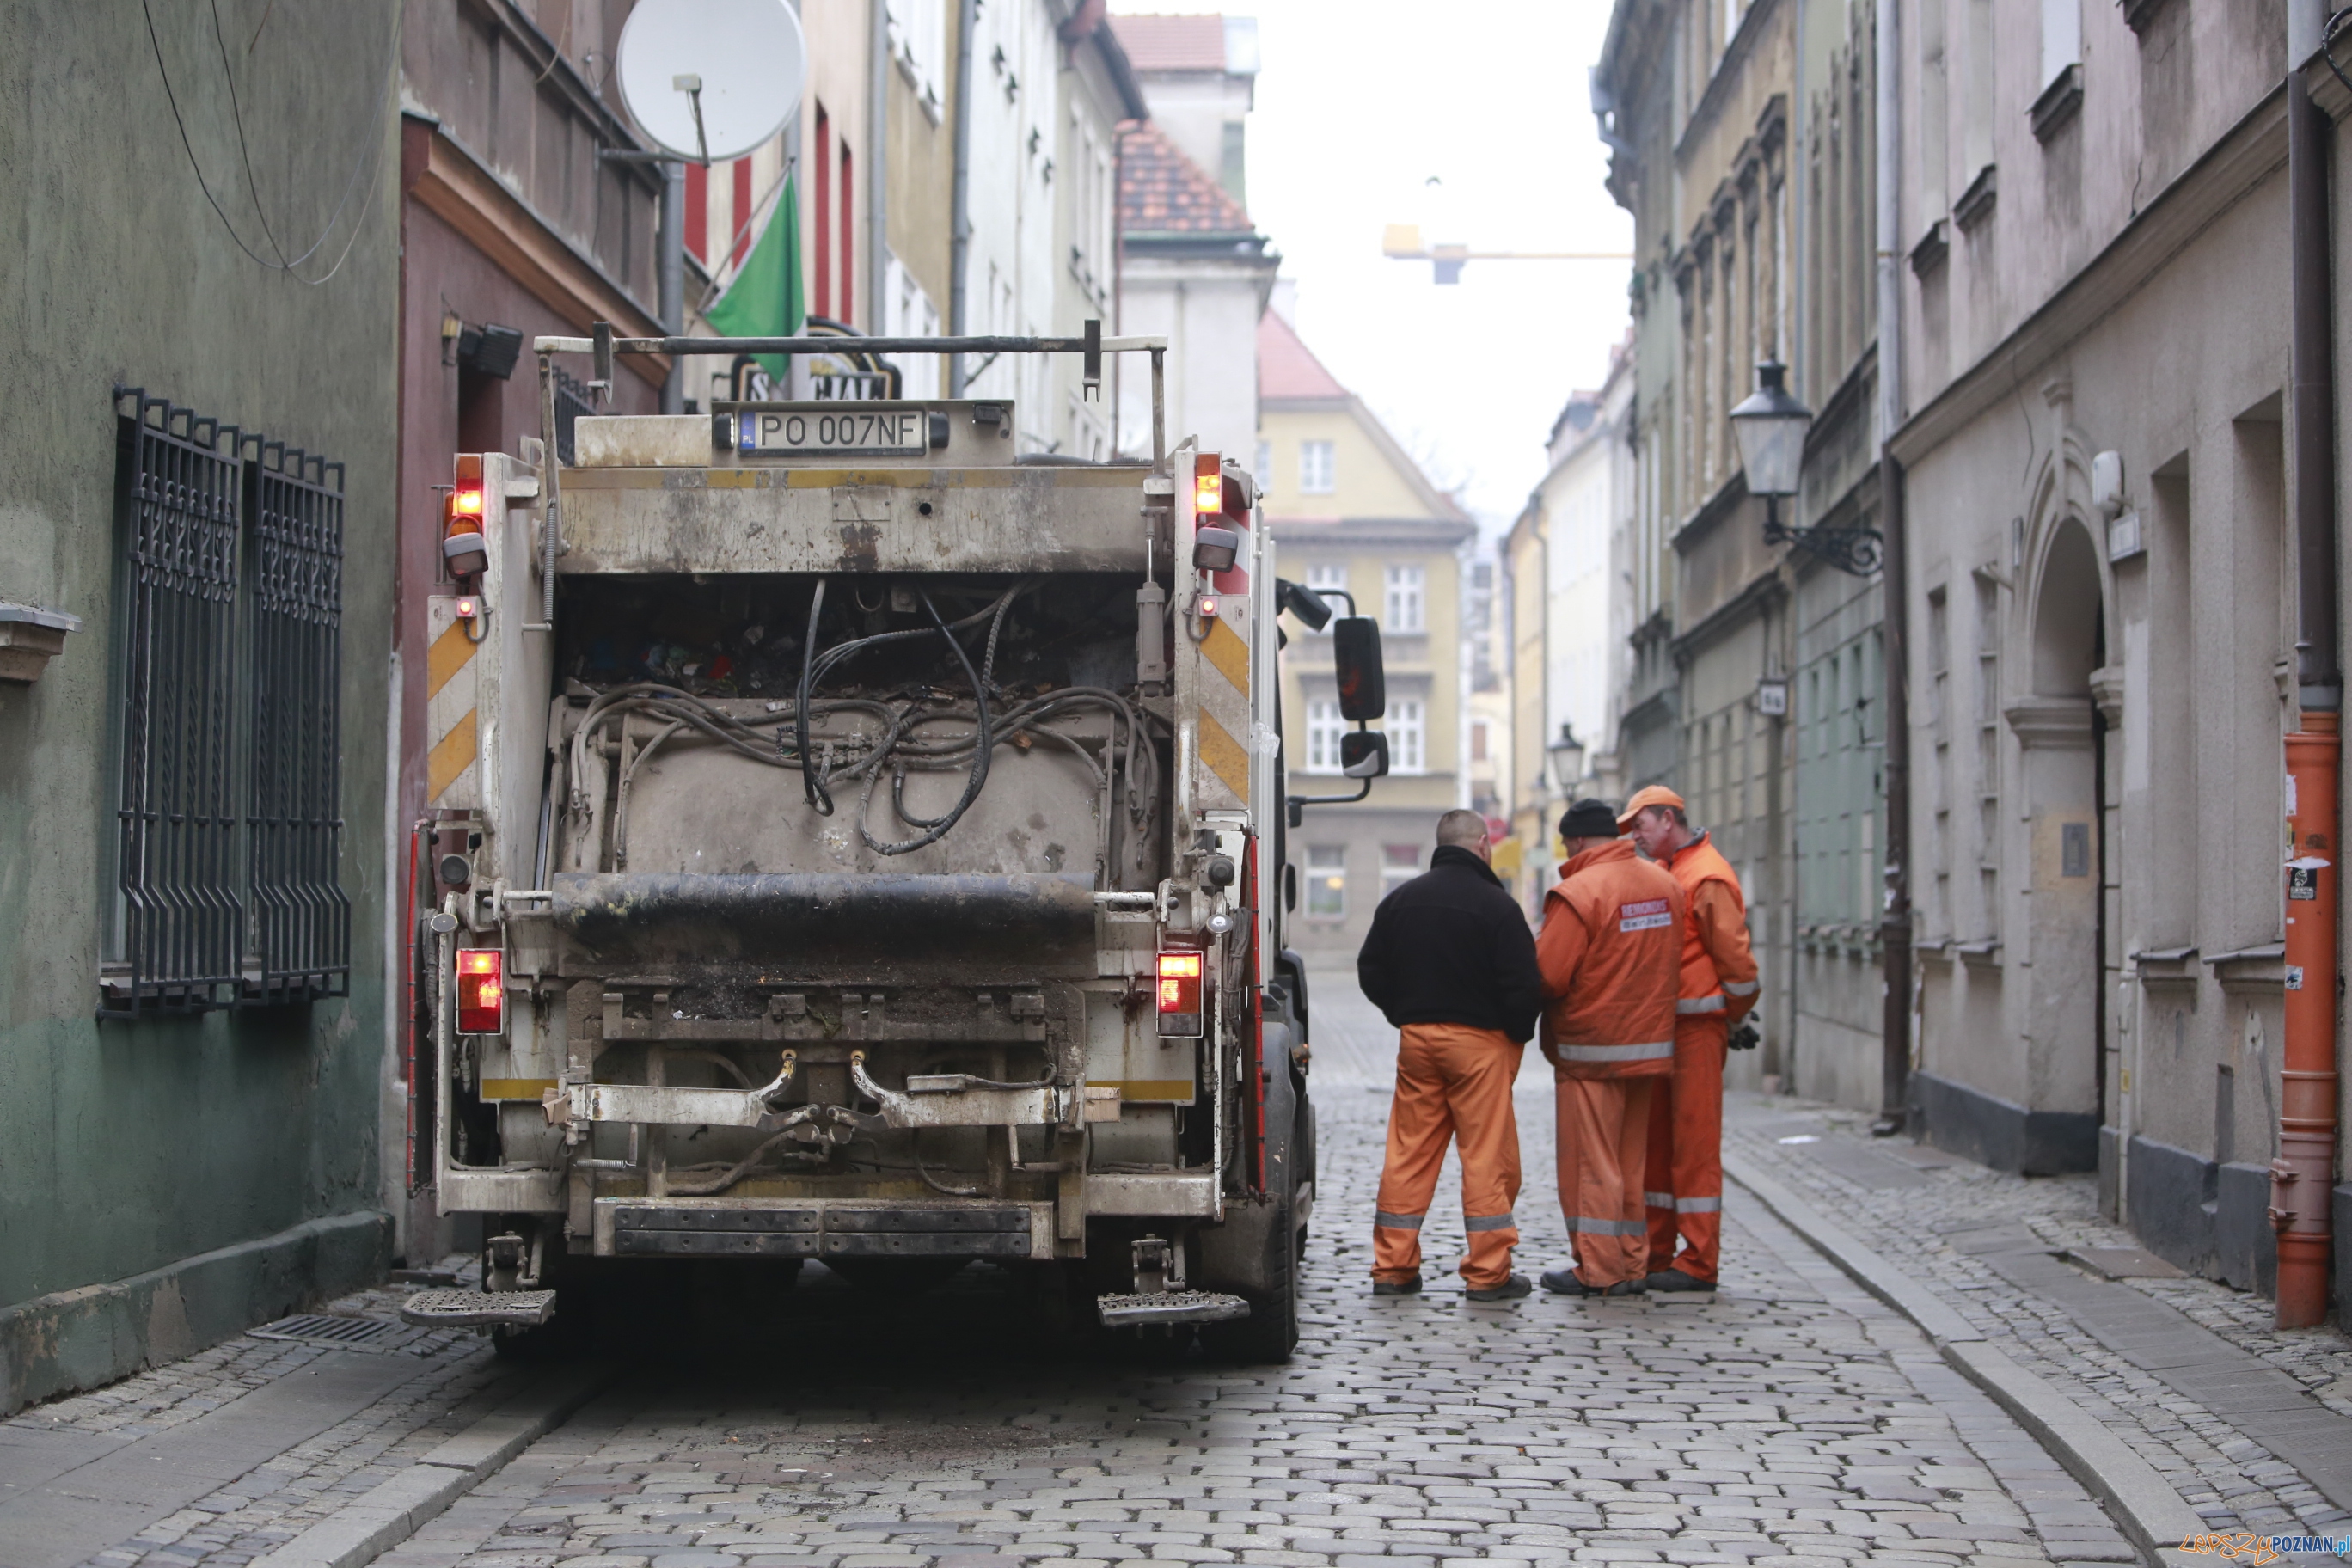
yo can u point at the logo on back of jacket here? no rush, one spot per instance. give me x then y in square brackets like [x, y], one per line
[1650, 914]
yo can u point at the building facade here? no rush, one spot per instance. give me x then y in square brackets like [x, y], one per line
[2097, 481]
[1351, 512]
[200, 499]
[1742, 138]
[1571, 622]
[1195, 268]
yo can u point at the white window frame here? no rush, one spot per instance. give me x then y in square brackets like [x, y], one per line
[1318, 467]
[2062, 37]
[1407, 727]
[918, 37]
[1405, 604]
[1324, 861]
[1325, 725]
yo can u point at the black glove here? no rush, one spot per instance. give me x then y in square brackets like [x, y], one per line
[1746, 1038]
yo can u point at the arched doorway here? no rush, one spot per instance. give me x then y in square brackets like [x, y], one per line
[2061, 732]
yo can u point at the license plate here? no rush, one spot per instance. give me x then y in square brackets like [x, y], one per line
[846, 431]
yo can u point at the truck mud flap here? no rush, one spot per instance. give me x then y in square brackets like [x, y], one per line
[823, 926]
[679, 1230]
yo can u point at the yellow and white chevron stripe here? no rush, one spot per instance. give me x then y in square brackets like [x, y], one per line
[452, 674]
[1222, 689]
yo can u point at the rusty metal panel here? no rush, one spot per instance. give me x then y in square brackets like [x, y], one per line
[737, 520]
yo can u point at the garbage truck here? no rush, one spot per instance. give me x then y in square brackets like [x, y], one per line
[853, 838]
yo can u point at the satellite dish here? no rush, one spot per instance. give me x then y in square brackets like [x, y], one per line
[711, 79]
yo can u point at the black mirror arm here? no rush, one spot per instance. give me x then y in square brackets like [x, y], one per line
[1299, 802]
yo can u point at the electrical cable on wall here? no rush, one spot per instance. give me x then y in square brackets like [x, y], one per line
[369, 153]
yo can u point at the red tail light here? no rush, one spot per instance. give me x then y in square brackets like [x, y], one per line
[1179, 994]
[481, 991]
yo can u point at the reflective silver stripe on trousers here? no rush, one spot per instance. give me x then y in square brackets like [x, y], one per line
[1397, 1221]
[1698, 1205]
[1743, 987]
[1489, 1222]
[1658, 1200]
[1583, 1225]
[1650, 1052]
[1699, 1004]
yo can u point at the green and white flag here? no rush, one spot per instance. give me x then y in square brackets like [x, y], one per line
[766, 298]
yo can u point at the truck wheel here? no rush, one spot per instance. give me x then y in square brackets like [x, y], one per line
[1270, 1334]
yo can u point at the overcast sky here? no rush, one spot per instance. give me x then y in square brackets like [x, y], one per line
[1359, 102]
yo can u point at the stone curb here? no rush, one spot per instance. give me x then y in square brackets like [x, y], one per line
[381, 1518]
[2156, 1517]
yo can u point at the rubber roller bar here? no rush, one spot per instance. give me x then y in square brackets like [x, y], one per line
[946, 926]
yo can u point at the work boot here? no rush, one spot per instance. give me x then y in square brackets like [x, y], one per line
[1564, 1282]
[1510, 1289]
[1397, 1287]
[1676, 1279]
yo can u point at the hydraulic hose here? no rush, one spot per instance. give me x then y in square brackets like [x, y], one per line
[809, 786]
[983, 743]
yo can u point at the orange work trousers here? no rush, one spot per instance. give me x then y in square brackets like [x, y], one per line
[1684, 1181]
[1452, 1084]
[1604, 1128]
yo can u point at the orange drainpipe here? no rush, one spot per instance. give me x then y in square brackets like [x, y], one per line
[2302, 1177]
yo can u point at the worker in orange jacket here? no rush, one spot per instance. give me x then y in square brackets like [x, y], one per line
[1611, 952]
[1684, 1184]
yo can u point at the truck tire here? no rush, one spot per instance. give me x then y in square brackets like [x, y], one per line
[1270, 1334]
[1303, 1214]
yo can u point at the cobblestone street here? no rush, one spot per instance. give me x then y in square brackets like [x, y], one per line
[1792, 1419]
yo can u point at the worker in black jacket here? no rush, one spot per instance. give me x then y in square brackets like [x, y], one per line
[1450, 963]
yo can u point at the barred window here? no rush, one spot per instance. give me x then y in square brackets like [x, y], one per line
[228, 758]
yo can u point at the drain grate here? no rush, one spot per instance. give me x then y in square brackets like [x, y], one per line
[351, 1333]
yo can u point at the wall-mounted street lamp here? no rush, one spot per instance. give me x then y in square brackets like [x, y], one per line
[1771, 427]
[1567, 755]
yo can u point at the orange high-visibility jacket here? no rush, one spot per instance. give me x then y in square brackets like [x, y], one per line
[1611, 951]
[1719, 969]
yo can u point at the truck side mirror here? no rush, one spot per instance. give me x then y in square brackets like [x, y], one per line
[1364, 753]
[1363, 687]
[1303, 602]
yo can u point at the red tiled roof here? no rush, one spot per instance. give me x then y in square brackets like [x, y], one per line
[1172, 42]
[1286, 367]
[1160, 191]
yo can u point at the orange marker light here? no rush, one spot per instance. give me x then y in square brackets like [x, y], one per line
[466, 502]
[1209, 494]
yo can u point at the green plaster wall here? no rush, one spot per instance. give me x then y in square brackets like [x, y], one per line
[127, 1149]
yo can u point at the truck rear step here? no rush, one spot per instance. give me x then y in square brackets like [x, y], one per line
[1125, 1312]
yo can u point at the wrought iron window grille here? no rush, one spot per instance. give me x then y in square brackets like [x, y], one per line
[573, 399]
[227, 759]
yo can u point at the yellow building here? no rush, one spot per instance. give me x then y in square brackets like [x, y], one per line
[1350, 511]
